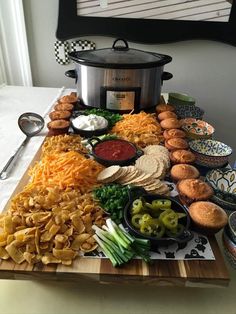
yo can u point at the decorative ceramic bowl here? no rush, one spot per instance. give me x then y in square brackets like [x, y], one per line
[228, 206]
[189, 112]
[223, 181]
[179, 99]
[210, 153]
[231, 259]
[232, 227]
[228, 243]
[197, 129]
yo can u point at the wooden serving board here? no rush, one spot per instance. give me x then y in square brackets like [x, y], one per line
[160, 272]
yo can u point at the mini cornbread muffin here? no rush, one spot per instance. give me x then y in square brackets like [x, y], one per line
[182, 156]
[164, 107]
[176, 143]
[57, 127]
[184, 171]
[71, 99]
[192, 190]
[60, 115]
[166, 115]
[172, 133]
[207, 217]
[64, 107]
[170, 123]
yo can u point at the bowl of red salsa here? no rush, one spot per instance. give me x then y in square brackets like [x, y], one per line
[114, 151]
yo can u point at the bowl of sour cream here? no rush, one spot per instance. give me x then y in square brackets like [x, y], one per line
[89, 125]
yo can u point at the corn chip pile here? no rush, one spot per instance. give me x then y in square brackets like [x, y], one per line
[51, 220]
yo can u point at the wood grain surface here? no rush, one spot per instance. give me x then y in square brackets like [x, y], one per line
[160, 272]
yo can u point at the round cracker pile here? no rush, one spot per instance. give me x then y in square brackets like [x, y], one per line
[155, 161]
[110, 174]
[133, 175]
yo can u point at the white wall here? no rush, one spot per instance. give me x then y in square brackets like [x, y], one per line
[204, 69]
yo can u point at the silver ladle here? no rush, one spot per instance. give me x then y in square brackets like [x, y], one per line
[30, 124]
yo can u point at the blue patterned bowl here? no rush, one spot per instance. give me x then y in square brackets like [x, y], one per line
[189, 112]
[210, 153]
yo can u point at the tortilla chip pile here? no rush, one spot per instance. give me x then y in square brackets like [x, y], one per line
[51, 219]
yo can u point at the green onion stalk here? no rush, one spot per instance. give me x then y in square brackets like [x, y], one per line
[118, 245]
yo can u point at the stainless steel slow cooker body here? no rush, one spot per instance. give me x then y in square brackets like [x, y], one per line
[120, 78]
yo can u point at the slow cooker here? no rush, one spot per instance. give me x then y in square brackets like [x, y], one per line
[119, 78]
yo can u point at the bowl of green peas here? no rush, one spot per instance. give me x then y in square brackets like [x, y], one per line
[161, 219]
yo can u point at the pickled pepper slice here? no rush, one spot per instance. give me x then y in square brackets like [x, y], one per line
[136, 220]
[170, 220]
[161, 204]
[146, 229]
[137, 206]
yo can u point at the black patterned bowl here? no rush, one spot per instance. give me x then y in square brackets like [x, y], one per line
[232, 227]
[228, 243]
[229, 247]
[189, 112]
[223, 181]
[210, 153]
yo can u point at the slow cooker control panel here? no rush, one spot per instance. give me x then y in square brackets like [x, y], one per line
[121, 99]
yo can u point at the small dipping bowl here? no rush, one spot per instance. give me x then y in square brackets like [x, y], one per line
[210, 153]
[185, 236]
[110, 152]
[197, 129]
[89, 133]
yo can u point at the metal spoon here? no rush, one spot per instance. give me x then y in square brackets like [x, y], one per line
[30, 124]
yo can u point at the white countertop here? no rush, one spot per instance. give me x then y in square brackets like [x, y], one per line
[36, 297]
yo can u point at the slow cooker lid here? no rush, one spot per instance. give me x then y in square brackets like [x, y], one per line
[119, 56]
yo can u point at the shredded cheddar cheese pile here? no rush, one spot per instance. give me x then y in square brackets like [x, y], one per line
[141, 129]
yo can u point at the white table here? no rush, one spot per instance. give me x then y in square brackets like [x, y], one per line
[13, 102]
[18, 297]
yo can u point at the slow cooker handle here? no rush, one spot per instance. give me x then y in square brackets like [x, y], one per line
[120, 48]
[166, 76]
[71, 74]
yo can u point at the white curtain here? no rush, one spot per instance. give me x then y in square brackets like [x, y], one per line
[14, 55]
